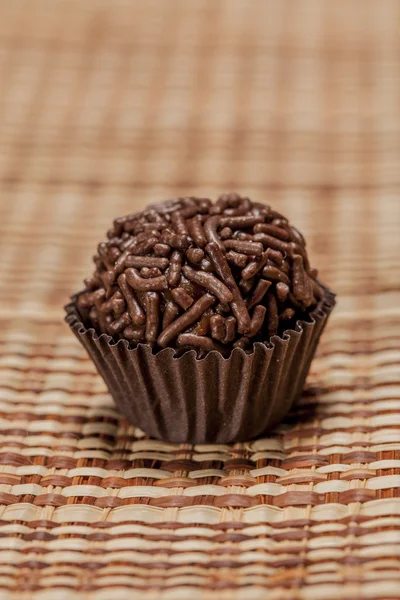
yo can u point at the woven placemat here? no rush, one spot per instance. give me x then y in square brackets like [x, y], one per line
[105, 106]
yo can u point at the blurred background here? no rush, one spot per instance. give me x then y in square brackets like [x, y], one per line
[105, 106]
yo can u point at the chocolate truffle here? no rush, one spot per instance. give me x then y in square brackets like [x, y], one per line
[190, 274]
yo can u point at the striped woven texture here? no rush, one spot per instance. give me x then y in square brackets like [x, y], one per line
[105, 106]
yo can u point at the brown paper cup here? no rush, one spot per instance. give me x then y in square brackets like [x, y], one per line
[209, 400]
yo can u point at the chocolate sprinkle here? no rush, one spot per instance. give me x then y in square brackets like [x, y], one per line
[191, 274]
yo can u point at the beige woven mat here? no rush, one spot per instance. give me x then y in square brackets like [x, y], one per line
[105, 106]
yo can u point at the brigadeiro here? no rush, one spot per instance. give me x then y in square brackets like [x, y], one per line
[202, 318]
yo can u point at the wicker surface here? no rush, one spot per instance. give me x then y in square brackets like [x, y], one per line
[104, 106]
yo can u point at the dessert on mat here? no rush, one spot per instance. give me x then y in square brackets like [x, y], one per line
[202, 317]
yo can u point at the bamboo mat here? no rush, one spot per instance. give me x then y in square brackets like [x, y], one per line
[105, 106]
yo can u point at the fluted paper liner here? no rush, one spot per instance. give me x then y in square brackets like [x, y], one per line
[213, 399]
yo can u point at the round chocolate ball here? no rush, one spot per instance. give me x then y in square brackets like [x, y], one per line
[190, 274]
